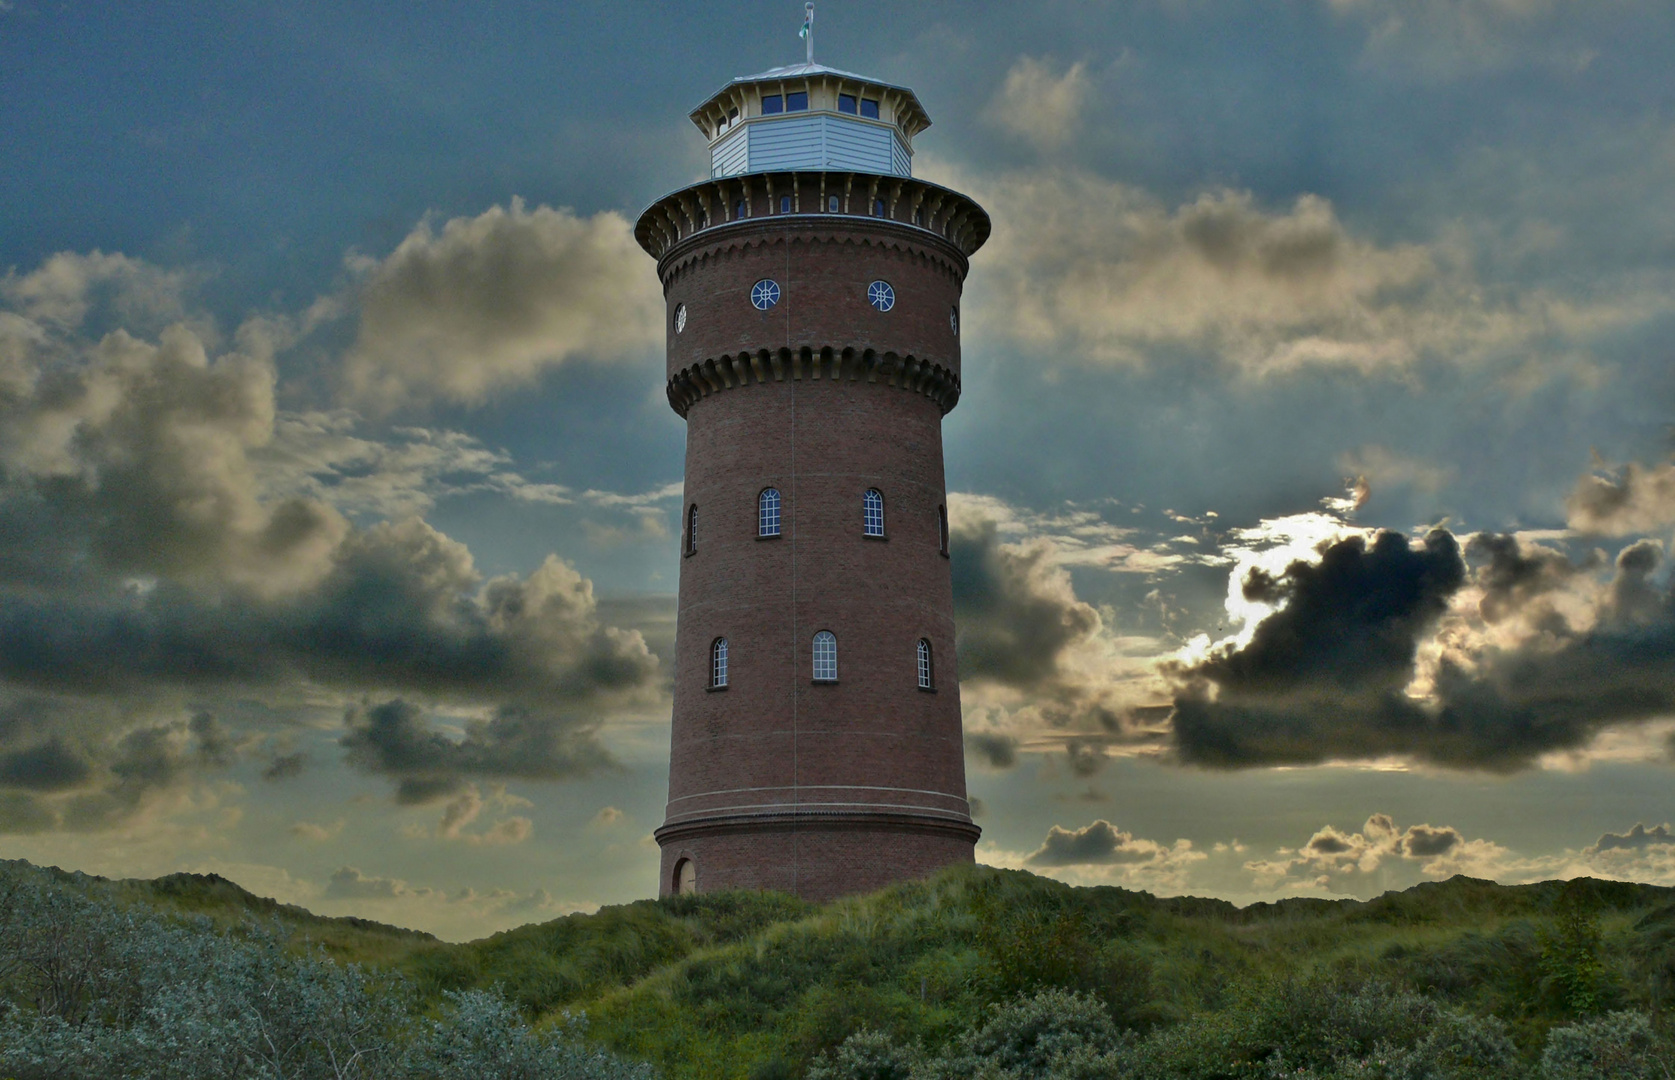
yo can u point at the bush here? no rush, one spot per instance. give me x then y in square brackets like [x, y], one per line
[866, 1055]
[1618, 1046]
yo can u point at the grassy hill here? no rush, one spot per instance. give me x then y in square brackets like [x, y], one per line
[758, 986]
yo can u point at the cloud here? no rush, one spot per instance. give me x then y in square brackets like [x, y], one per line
[1089, 270]
[491, 302]
[1097, 843]
[1625, 500]
[308, 830]
[1039, 104]
[997, 750]
[348, 883]
[394, 739]
[1335, 860]
[66, 287]
[1392, 649]
[1638, 838]
[606, 817]
[285, 766]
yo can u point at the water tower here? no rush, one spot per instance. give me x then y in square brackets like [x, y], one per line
[813, 319]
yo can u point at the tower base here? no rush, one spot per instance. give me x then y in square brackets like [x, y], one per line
[810, 857]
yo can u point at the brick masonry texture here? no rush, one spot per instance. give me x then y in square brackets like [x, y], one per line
[778, 781]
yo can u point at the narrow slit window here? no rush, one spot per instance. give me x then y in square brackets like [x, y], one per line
[942, 529]
[872, 513]
[738, 210]
[767, 512]
[785, 204]
[927, 675]
[878, 208]
[825, 656]
[692, 529]
[718, 663]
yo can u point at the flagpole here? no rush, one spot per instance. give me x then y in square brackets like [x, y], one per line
[808, 30]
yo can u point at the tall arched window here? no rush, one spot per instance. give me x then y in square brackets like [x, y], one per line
[767, 512]
[942, 529]
[718, 663]
[825, 657]
[692, 529]
[872, 513]
[927, 675]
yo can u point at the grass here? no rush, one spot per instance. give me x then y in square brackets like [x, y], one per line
[753, 986]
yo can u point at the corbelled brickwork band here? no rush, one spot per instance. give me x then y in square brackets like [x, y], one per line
[692, 384]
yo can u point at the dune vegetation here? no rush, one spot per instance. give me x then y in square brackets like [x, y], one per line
[976, 973]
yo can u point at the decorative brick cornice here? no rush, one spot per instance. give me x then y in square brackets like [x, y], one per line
[693, 384]
[920, 209]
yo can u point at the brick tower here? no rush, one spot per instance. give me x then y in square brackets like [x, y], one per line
[813, 309]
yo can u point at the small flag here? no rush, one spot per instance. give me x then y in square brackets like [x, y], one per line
[808, 21]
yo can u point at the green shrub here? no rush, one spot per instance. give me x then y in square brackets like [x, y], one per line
[1617, 1046]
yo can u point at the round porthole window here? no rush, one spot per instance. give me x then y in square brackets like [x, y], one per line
[954, 320]
[764, 294]
[881, 296]
[680, 317]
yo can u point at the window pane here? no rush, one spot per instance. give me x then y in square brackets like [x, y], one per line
[825, 656]
[878, 208]
[797, 102]
[692, 529]
[718, 662]
[773, 103]
[785, 204]
[869, 108]
[846, 103]
[872, 513]
[767, 513]
[832, 204]
[924, 664]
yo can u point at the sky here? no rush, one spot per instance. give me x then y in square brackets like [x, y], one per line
[1311, 489]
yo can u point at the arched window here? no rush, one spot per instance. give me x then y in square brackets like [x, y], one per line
[872, 513]
[685, 878]
[718, 663]
[927, 676]
[692, 529]
[767, 512]
[825, 657]
[942, 529]
[785, 204]
[832, 204]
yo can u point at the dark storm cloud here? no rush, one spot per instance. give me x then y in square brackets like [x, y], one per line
[1324, 677]
[1015, 609]
[1516, 574]
[48, 766]
[395, 739]
[997, 750]
[1098, 843]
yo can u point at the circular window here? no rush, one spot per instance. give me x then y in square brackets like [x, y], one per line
[881, 296]
[764, 294]
[954, 320]
[680, 317]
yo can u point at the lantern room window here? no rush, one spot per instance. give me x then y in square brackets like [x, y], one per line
[772, 103]
[797, 102]
[869, 108]
[846, 103]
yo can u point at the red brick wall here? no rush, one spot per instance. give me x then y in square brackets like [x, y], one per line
[872, 747]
